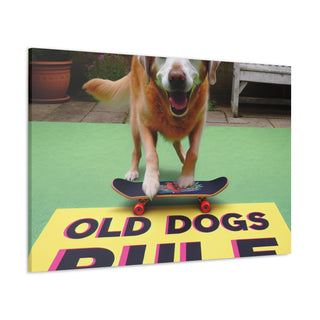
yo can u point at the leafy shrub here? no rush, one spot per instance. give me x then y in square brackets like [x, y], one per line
[108, 66]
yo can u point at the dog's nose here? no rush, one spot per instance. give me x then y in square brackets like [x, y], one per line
[177, 79]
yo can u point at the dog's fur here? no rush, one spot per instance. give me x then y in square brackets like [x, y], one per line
[166, 95]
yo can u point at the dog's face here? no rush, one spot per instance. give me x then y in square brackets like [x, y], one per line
[178, 78]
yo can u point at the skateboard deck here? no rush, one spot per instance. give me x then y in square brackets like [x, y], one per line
[200, 190]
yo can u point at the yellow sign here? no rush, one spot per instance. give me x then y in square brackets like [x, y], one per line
[101, 237]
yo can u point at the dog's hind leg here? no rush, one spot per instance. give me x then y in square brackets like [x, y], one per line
[133, 173]
[179, 149]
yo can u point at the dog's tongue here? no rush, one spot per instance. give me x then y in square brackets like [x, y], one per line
[178, 99]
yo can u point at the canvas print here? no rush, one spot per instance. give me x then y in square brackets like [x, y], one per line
[147, 159]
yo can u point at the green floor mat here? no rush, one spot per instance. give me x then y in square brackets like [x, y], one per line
[71, 165]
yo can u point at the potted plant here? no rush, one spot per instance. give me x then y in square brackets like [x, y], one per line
[49, 75]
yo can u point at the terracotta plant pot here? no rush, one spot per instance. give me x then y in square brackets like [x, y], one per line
[49, 81]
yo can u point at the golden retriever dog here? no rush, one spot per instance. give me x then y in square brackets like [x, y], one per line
[166, 95]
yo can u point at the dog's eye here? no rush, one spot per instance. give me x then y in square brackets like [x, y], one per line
[159, 61]
[195, 63]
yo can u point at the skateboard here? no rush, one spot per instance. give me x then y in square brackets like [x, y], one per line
[201, 190]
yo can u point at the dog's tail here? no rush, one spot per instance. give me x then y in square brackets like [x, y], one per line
[112, 93]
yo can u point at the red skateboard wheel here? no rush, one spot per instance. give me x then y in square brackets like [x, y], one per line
[138, 209]
[205, 206]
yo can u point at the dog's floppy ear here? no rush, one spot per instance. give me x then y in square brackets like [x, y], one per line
[146, 63]
[212, 68]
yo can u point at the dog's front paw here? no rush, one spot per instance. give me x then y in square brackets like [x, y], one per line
[150, 186]
[132, 175]
[186, 181]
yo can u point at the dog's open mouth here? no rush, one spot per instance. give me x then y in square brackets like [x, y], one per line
[179, 102]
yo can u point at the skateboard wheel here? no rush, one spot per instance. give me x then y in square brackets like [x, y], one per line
[138, 209]
[205, 206]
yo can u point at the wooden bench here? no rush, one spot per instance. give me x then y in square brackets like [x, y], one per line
[262, 73]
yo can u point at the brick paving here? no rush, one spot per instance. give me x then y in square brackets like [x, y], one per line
[97, 112]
